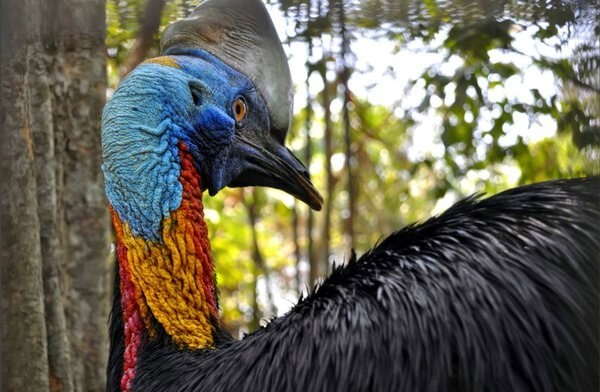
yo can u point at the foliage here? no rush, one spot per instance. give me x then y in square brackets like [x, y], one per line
[477, 102]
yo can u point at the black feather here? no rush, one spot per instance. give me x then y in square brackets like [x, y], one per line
[499, 294]
[114, 370]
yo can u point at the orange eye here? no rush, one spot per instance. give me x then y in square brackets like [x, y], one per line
[240, 109]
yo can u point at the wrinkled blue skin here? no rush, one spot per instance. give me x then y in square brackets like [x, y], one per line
[154, 109]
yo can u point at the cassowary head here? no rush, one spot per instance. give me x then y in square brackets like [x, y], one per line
[222, 93]
[212, 111]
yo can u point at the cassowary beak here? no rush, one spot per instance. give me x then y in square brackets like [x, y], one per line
[277, 167]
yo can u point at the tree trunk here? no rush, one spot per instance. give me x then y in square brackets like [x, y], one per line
[296, 240]
[259, 261]
[52, 244]
[326, 232]
[344, 78]
[76, 44]
[313, 260]
[150, 24]
[54, 224]
[24, 343]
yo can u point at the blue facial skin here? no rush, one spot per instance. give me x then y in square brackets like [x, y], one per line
[154, 109]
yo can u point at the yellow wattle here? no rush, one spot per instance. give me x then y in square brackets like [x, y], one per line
[168, 275]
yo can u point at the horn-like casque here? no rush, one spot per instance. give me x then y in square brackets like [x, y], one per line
[241, 34]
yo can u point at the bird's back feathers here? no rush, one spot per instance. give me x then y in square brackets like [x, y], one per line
[495, 294]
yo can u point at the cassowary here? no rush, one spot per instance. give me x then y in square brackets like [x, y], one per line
[499, 294]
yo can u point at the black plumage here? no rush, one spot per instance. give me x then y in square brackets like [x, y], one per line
[496, 294]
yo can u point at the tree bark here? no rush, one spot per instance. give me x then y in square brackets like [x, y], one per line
[54, 224]
[76, 44]
[24, 347]
[52, 244]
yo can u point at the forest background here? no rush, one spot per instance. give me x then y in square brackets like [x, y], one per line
[401, 109]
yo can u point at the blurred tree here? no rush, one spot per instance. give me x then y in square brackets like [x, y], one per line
[54, 224]
[468, 91]
[146, 35]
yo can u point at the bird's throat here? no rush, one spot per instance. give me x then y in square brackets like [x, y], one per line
[169, 282]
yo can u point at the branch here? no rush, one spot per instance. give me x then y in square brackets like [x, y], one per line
[145, 37]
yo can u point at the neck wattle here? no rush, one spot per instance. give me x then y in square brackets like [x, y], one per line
[169, 281]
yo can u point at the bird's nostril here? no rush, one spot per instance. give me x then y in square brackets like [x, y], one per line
[305, 174]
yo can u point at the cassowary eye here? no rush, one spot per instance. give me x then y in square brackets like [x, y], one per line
[239, 109]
